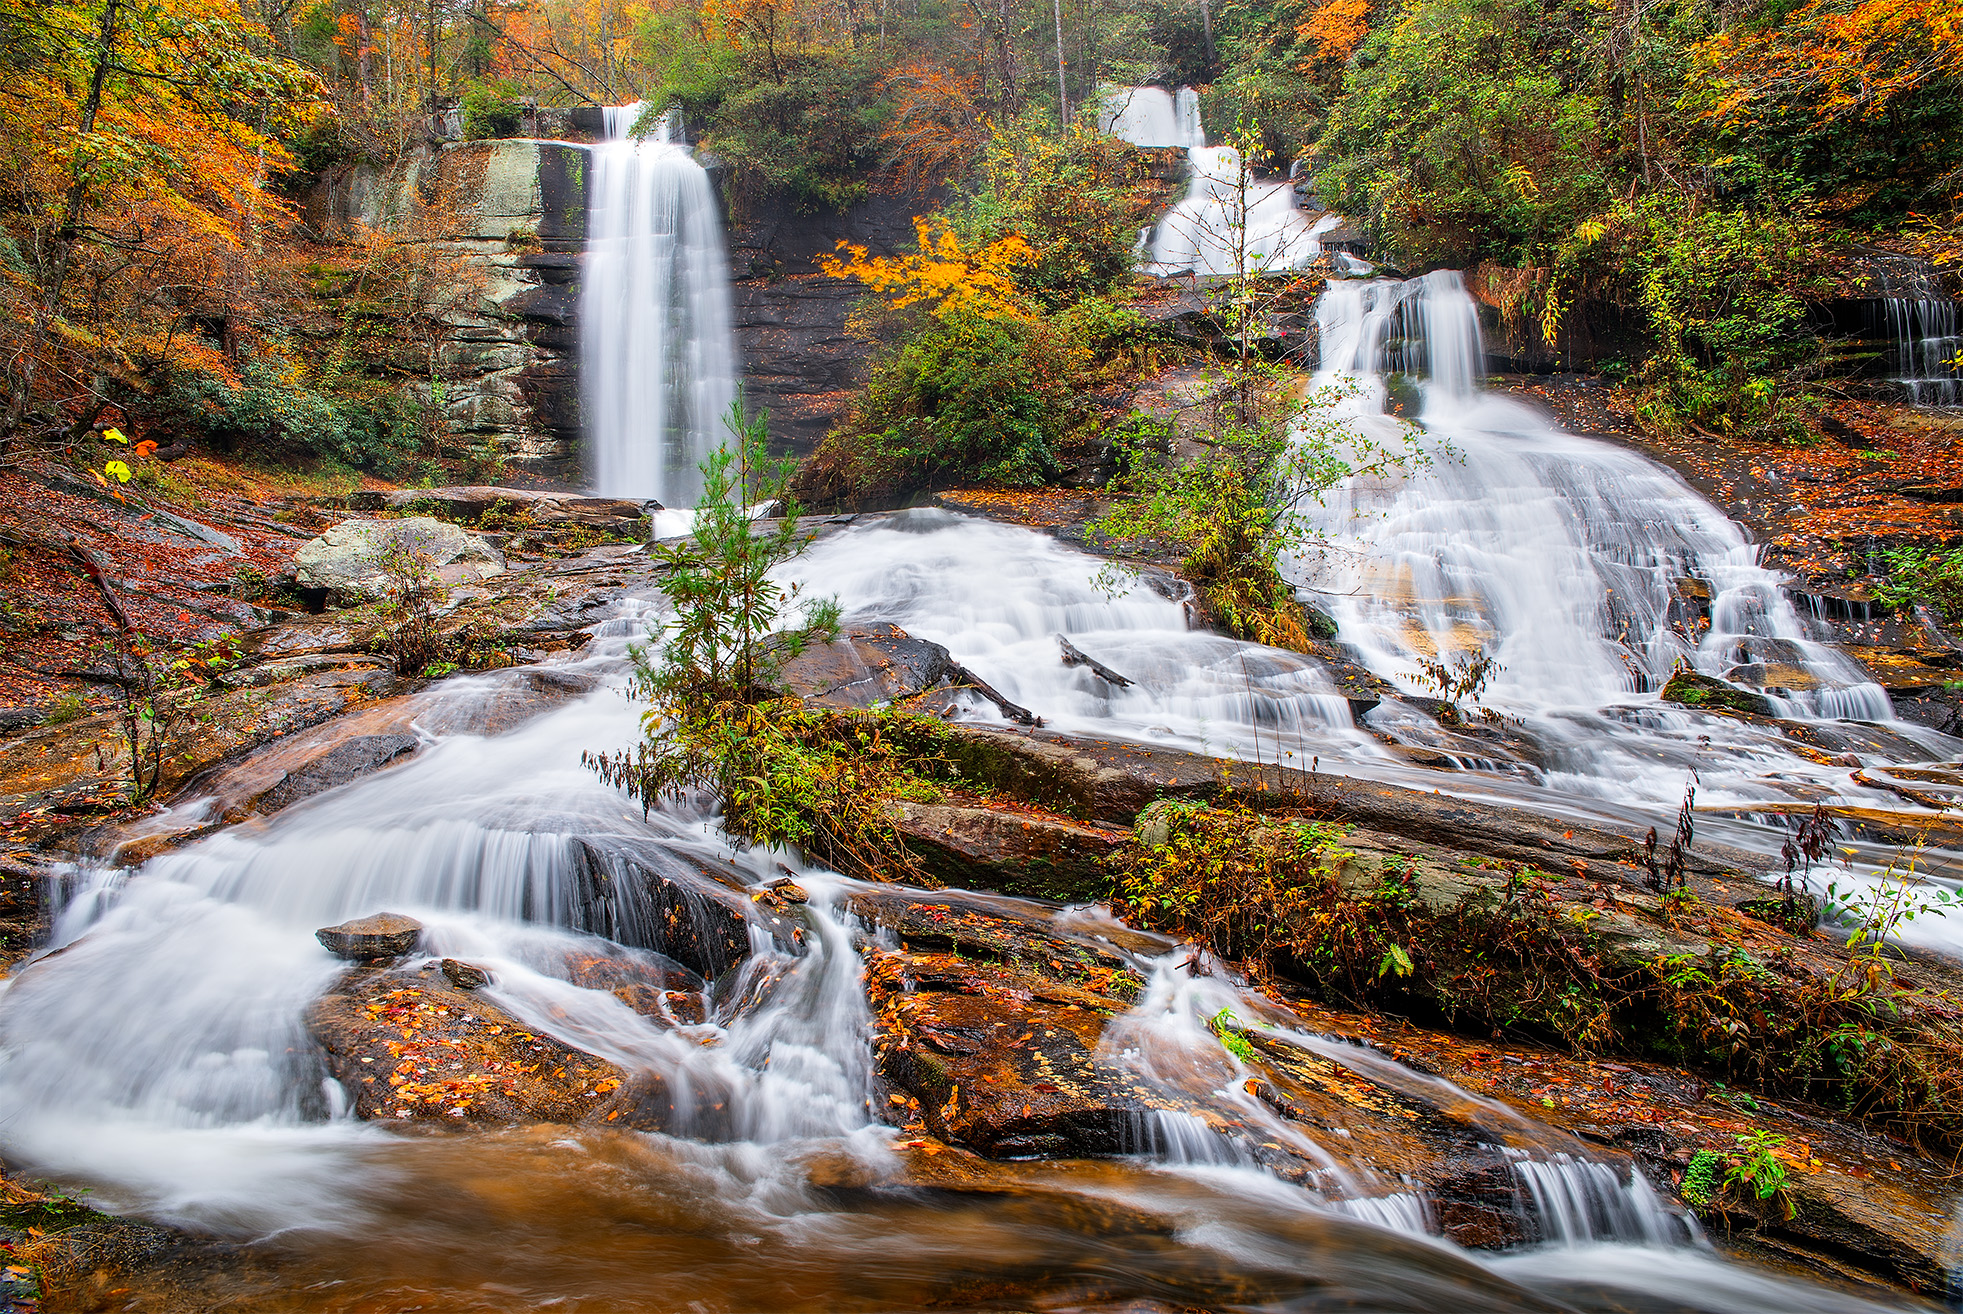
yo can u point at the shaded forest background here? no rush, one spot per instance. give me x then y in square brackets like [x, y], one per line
[1702, 167]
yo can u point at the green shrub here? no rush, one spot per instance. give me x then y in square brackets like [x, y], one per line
[272, 410]
[1076, 197]
[967, 397]
[491, 109]
[1921, 577]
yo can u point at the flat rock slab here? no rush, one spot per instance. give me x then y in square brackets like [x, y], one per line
[1016, 851]
[383, 935]
[1113, 781]
[409, 1046]
[470, 501]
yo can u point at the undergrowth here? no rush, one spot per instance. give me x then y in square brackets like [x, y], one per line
[1511, 955]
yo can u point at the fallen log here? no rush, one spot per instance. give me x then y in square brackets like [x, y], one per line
[962, 677]
[1075, 656]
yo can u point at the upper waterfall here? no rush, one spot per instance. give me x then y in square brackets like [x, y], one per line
[1228, 217]
[659, 365]
[1151, 116]
[1561, 556]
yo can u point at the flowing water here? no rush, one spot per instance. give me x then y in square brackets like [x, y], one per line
[1151, 116]
[1926, 347]
[658, 362]
[157, 1049]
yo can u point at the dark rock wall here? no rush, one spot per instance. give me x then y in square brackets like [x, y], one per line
[798, 360]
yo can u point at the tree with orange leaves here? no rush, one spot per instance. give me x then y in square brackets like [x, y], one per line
[134, 156]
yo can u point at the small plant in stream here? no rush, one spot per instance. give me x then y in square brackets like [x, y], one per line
[1877, 915]
[718, 723]
[1462, 679]
[1672, 874]
[1226, 1027]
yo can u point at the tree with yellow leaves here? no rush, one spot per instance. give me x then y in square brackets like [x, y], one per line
[945, 275]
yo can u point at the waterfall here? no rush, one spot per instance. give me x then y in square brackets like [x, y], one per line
[1558, 555]
[1925, 348]
[1151, 116]
[1228, 216]
[658, 360]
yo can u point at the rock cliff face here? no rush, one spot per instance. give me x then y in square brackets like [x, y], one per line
[798, 359]
[517, 209]
[516, 212]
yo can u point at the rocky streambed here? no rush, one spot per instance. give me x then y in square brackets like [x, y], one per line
[1004, 1022]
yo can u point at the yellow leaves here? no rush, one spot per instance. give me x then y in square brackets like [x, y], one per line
[946, 275]
[116, 470]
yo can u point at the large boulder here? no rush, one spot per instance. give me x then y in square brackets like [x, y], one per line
[411, 1046]
[867, 665]
[350, 562]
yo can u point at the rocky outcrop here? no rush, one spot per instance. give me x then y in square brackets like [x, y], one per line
[799, 360]
[409, 1046]
[361, 561]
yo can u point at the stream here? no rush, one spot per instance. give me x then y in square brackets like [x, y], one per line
[157, 1050]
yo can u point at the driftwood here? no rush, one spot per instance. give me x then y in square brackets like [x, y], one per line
[1074, 656]
[963, 677]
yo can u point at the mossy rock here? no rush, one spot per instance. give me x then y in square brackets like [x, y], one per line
[1708, 693]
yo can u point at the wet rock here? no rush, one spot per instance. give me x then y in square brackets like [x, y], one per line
[1002, 1060]
[651, 897]
[347, 562]
[469, 502]
[382, 935]
[1707, 693]
[465, 976]
[411, 1047]
[977, 927]
[653, 987]
[867, 665]
[1022, 852]
[346, 760]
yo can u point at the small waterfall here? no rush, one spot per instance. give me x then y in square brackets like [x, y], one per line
[1151, 116]
[1577, 1200]
[1925, 348]
[1557, 555]
[1229, 217]
[658, 360]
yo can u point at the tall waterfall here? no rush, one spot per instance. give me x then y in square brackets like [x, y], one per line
[1561, 556]
[658, 358]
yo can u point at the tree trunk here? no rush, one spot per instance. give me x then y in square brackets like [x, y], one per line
[54, 272]
[1062, 90]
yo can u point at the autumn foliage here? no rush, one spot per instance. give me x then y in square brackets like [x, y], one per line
[946, 276]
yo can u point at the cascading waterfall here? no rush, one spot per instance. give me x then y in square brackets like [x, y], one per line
[1558, 556]
[1922, 331]
[1227, 218]
[658, 356]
